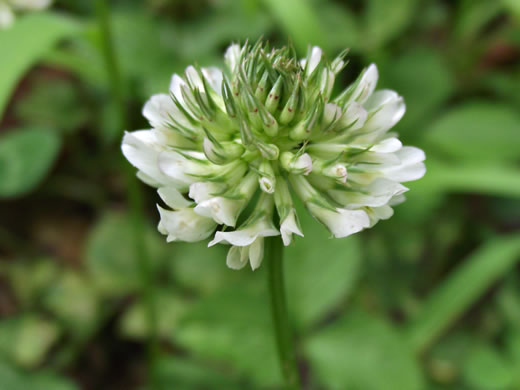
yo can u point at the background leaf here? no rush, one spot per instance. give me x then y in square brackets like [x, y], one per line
[27, 41]
[26, 156]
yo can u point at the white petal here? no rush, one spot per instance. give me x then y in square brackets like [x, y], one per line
[341, 223]
[355, 116]
[185, 225]
[411, 166]
[142, 150]
[222, 210]
[232, 57]
[288, 227]
[380, 213]
[178, 168]
[377, 193]
[315, 59]
[367, 84]
[256, 253]
[173, 198]
[6, 16]
[246, 236]
[388, 145]
[304, 162]
[158, 110]
[202, 191]
[234, 259]
[30, 5]
[388, 108]
[214, 77]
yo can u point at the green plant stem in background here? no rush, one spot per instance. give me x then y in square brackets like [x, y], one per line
[282, 327]
[134, 191]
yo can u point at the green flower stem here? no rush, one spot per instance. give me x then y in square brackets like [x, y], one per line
[282, 327]
[134, 191]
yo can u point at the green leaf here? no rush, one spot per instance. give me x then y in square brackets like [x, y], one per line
[384, 20]
[26, 42]
[486, 369]
[298, 19]
[26, 340]
[234, 326]
[363, 352]
[110, 255]
[26, 156]
[476, 132]
[486, 179]
[14, 379]
[321, 271]
[53, 103]
[462, 288]
[185, 374]
[425, 82]
[74, 301]
[169, 309]
[199, 268]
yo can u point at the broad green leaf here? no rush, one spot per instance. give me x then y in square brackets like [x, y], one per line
[479, 178]
[486, 369]
[111, 257]
[53, 103]
[321, 271]
[26, 339]
[234, 326]
[462, 288]
[341, 26]
[424, 80]
[13, 379]
[73, 299]
[199, 268]
[298, 19]
[25, 43]
[474, 15]
[363, 352]
[384, 20]
[169, 308]
[26, 156]
[185, 374]
[30, 279]
[476, 132]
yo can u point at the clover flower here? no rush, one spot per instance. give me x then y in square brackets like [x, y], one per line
[235, 147]
[8, 8]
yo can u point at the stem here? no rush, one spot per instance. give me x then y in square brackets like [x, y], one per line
[280, 315]
[134, 190]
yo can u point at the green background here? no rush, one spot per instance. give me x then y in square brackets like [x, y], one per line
[427, 300]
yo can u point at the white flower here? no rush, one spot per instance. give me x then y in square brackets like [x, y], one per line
[249, 237]
[341, 222]
[290, 226]
[185, 225]
[7, 8]
[6, 16]
[269, 124]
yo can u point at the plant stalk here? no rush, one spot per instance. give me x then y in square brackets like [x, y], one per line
[134, 190]
[280, 315]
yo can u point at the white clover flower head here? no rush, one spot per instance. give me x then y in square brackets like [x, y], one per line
[8, 8]
[269, 125]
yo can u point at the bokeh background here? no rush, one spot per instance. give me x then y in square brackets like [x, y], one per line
[91, 297]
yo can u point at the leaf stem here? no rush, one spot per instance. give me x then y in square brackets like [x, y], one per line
[133, 189]
[282, 327]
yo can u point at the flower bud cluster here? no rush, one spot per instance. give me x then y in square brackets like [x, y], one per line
[264, 130]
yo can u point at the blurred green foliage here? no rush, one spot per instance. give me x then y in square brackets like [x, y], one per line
[427, 300]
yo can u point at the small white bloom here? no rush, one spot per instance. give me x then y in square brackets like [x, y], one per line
[251, 241]
[185, 225]
[342, 222]
[6, 16]
[290, 226]
[216, 140]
